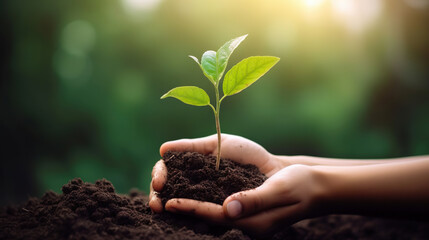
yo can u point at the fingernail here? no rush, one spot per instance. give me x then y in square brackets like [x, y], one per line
[234, 209]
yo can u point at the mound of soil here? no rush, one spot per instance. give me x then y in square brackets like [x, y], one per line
[193, 175]
[95, 211]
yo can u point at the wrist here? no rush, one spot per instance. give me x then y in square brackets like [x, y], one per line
[344, 189]
[286, 161]
[303, 160]
[276, 163]
[282, 161]
[325, 193]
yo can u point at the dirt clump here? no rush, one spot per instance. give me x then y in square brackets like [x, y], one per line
[194, 176]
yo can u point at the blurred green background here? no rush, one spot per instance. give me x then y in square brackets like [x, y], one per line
[81, 83]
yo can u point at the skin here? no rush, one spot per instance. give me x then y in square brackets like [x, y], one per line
[300, 187]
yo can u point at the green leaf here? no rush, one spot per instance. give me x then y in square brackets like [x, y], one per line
[214, 63]
[189, 95]
[223, 54]
[208, 63]
[246, 72]
[196, 60]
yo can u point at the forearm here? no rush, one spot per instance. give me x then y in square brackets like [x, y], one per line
[313, 161]
[399, 189]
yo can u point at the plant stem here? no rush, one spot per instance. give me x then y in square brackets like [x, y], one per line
[219, 140]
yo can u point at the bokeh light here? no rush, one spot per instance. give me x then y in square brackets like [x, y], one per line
[357, 15]
[313, 3]
[138, 5]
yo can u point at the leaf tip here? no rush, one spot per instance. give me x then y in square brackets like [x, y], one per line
[194, 58]
[277, 59]
[165, 95]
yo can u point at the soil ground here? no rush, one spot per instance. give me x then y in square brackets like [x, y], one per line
[95, 211]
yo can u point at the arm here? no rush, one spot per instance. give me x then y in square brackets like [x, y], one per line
[312, 161]
[395, 189]
[297, 192]
[302, 187]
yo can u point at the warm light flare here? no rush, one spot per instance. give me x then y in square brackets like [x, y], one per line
[313, 3]
[356, 15]
[136, 5]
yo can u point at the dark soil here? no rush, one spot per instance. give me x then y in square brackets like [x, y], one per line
[95, 211]
[193, 175]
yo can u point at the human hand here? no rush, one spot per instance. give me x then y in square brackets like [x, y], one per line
[234, 147]
[288, 196]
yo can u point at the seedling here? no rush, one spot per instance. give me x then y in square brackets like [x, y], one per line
[239, 77]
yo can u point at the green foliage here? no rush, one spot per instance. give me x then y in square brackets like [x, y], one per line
[209, 65]
[213, 65]
[247, 72]
[189, 95]
[224, 52]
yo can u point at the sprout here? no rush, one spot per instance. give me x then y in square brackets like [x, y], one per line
[239, 77]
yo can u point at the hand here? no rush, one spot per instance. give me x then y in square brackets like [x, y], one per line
[286, 197]
[235, 148]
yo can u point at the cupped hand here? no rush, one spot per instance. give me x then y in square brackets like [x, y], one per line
[236, 148]
[288, 196]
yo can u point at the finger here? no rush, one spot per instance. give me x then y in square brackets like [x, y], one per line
[270, 219]
[205, 210]
[159, 176]
[252, 201]
[205, 145]
[155, 202]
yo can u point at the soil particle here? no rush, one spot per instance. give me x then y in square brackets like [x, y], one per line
[193, 175]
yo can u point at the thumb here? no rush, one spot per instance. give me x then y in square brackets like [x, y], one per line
[249, 202]
[204, 145]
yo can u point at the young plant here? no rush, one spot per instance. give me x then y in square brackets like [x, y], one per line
[239, 77]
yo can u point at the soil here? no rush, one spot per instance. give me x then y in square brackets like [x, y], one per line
[95, 211]
[193, 175]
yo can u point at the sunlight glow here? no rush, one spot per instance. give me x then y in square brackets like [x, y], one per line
[356, 15]
[313, 3]
[137, 5]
